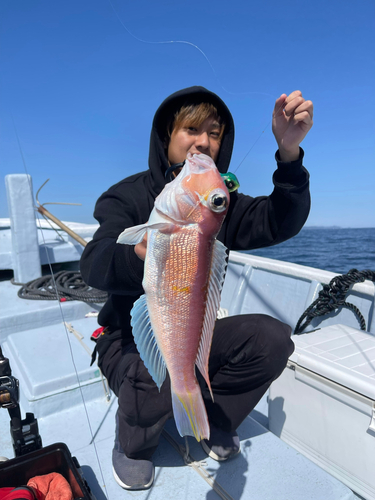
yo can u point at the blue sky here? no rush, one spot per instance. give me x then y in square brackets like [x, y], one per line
[82, 91]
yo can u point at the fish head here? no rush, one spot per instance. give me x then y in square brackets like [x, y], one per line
[198, 195]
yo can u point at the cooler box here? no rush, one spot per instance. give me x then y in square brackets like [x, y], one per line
[323, 404]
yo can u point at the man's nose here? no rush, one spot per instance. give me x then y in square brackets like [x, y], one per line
[202, 140]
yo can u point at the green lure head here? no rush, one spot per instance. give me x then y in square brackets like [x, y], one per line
[231, 181]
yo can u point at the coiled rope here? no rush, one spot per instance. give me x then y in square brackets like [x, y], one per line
[333, 296]
[64, 286]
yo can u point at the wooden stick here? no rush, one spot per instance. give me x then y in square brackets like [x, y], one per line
[65, 228]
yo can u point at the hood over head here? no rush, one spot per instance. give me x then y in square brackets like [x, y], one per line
[158, 161]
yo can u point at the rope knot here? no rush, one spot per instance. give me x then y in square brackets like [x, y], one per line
[333, 296]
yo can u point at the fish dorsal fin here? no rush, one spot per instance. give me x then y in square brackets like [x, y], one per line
[146, 343]
[215, 285]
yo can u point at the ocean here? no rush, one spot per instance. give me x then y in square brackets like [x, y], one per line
[330, 248]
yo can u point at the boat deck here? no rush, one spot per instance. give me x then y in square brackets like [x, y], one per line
[48, 344]
[267, 468]
[41, 350]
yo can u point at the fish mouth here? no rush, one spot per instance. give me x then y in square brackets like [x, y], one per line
[202, 161]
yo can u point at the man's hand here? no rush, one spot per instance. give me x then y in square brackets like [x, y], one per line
[140, 248]
[291, 120]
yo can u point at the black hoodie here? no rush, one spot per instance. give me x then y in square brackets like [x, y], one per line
[250, 223]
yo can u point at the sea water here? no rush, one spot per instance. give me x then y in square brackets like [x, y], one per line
[330, 248]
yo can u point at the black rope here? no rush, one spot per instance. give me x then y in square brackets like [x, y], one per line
[332, 297]
[69, 286]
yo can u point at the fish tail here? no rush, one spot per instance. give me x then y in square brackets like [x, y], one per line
[190, 414]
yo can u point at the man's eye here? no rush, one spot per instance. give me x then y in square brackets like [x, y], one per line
[215, 134]
[192, 129]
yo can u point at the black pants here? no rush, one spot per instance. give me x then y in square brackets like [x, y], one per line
[248, 352]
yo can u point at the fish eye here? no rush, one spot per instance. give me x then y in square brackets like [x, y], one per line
[218, 201]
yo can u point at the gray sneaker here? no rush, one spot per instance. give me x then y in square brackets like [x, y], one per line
[129, 473]
[221, 445]
[132, 474]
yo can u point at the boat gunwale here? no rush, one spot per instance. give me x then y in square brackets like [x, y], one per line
[296, 270]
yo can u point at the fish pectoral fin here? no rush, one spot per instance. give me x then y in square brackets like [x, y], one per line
[133, 235]
[215, 285]
[146, 343]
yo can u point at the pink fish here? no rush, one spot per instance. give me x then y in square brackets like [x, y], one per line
[183, 276]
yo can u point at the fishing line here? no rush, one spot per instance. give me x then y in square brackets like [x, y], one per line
[38, 220]
[28, 177]
[63, 318]
[20, 149]
[77, 376]
[186, 42]
[247, 154]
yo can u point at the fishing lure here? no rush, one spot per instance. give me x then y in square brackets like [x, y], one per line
[231, 181]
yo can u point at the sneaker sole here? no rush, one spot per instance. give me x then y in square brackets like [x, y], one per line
[213, 455]
[134, 486]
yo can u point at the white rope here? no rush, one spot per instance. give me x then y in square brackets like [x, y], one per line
[197, 466]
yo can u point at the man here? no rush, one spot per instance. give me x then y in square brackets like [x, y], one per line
[249, 351]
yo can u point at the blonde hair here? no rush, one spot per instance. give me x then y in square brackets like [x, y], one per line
[194, 115]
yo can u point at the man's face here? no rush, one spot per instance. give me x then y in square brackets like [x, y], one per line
[192, 139]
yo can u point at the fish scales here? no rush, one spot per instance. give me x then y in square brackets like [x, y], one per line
[175, 286]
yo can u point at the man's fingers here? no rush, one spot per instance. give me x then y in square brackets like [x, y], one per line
[304, 116]
[292, 109]
[305, 106]
[291, 105]
[141, 248]
[304, 113]
[293, 95]
[279, 105]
